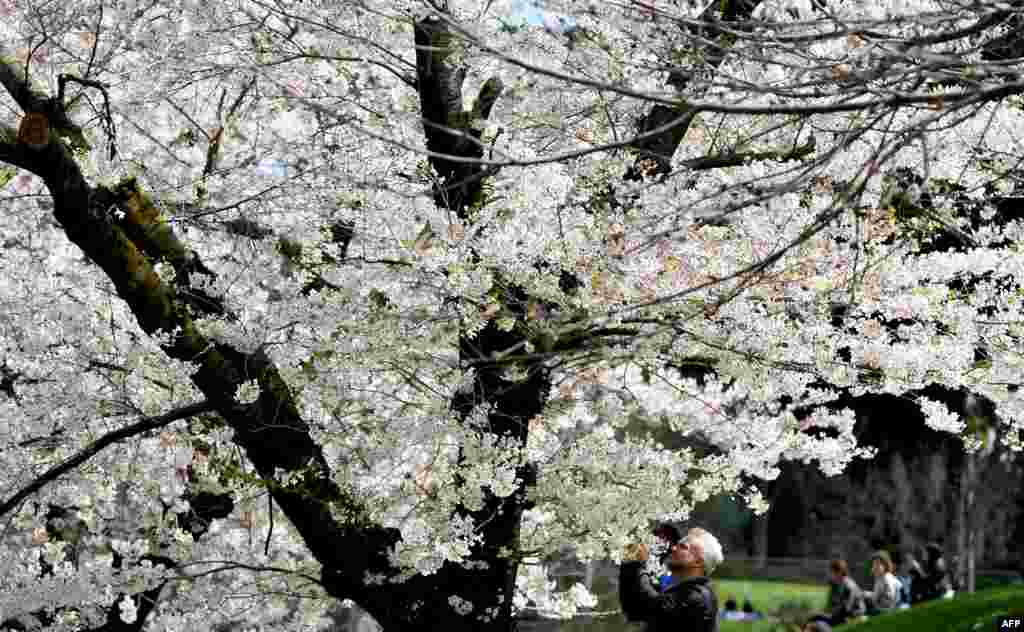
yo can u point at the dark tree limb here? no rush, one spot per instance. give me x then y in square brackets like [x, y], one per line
[449, 129]
[271, 432]
[654, 155]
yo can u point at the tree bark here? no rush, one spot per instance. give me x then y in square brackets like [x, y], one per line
[962, 520]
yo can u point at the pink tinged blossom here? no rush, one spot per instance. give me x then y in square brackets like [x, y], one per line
[38, 55]
[536, 424]
[247, 519]
[903, 310]
[167, 439]
[183, 464]
[23, 183]
[593, 375]
[646, 7]
[647, 288]
[87, 39]
[295, 88]
[40, 536]
[424, 479]
[616, 240]
[760, 248]
[841, 72]
[565, 389]
[872, 328]
[182, 473]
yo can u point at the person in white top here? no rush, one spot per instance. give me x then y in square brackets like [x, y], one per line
[885, 594]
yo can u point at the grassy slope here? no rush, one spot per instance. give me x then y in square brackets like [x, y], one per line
[965, 613]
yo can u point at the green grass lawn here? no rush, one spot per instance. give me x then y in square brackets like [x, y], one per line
[769, 597]
[964, 613]
[791, 603]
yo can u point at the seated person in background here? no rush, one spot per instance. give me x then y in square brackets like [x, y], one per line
[916, 590]
[903, 568]
[731, 611]
[816, 625]
[749, 614]
[884, 596]
[845, 598]
[937, 577]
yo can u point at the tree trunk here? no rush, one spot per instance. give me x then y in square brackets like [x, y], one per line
[969, 522]
[981, 466]
[761, 540]
[963, 517]
[423, 601]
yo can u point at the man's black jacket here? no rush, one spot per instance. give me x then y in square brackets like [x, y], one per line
[688, 606]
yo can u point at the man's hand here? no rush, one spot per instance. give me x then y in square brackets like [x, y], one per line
[635, 553]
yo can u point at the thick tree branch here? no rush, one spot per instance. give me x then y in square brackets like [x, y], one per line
[12, 78]
[720, 161]
[450, 130]
[655, 154]
[271, 432]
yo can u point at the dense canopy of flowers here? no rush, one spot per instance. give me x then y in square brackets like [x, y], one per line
[258, 129]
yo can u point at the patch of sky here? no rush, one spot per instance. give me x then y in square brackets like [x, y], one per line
[531, 13]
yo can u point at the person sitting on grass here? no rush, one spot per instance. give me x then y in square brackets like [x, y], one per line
[845, 598]
[731, 612]
[884, 596]
[938, 582]
[903, 568]
[916, 591]
[749, 613]
[816, 625]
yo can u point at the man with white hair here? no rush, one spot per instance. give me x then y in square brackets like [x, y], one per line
[687, 603]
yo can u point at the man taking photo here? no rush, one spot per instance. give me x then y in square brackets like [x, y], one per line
[687, 601]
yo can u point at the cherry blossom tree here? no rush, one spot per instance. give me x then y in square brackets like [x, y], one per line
[383, 301]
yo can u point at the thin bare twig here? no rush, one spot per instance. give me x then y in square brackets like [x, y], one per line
[95, 447]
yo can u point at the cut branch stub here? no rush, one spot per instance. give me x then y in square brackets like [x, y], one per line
[34, 130]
